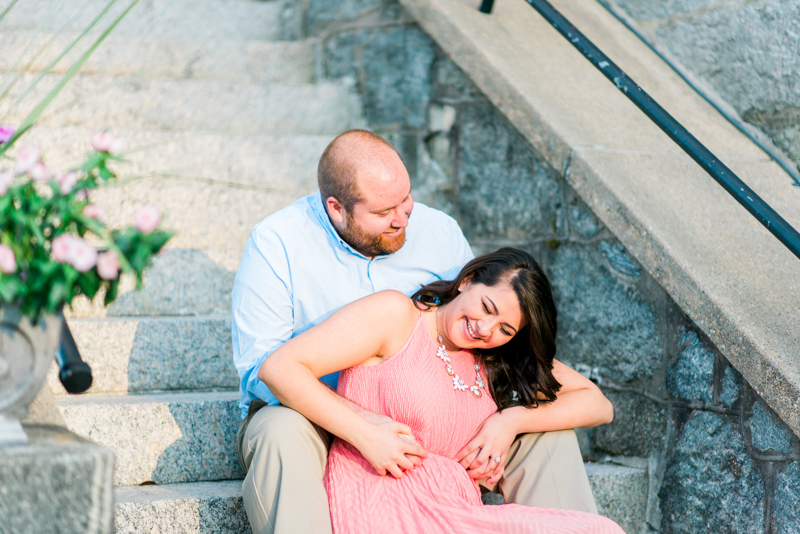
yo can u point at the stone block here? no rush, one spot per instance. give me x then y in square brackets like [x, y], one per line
[163, 438]
[340, 56]
[504, 191]
[787, 501]
[767, 432]
[620, 493]
[639, 427]
[732, 382]
[646, 10]
[450, 83]
[582, 220]
[321, 13]
[58, 482]
[692, 375]
[396, 65]
[603, 321]
[710, 483]
[192, 508]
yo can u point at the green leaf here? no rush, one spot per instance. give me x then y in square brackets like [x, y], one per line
[111, 292]
[89, 283]
[158, 239]
[8, 289]
[58, 294]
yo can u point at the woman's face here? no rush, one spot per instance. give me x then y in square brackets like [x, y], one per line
[481, 317]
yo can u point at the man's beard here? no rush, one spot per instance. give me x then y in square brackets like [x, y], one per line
[370, 245]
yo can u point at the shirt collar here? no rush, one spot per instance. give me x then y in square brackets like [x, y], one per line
[322, 215]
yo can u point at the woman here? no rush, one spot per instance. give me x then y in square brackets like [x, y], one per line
[438, 365]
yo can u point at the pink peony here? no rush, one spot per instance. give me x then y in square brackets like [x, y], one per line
[27, 158]
[62, 247]
[6, 179]
[147, 218]
[40, 172]
[8, 262]
[6, 132]
[94, 211]
[106, 141]
[82, 194]
[108, 266]
[66, 181]
[83, 256]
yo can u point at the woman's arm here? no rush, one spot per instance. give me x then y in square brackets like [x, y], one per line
[365, 331]
[579, 404]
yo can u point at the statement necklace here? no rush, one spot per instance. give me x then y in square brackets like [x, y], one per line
[458, 383]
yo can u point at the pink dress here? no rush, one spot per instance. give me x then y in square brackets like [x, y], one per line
[412, 387]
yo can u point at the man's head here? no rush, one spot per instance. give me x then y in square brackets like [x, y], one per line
[366, 191]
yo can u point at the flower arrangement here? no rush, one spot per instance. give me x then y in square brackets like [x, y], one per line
[54, 243]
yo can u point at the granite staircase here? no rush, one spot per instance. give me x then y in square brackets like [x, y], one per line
[224, 120]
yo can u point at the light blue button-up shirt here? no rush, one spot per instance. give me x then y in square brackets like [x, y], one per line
[296, 271]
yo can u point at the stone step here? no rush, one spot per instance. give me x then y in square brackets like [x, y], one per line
[266, 162]
[212, 106]
[145, 57]
[164, 438]
[216, 507]
[173, 19]
[135, 355]
[191, 508]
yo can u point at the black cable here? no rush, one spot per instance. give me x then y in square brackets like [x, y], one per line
[791, 172]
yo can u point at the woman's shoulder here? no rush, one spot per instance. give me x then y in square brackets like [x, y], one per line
[392, 303]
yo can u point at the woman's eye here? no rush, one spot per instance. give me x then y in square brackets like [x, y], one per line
[506, 332]
[486, 308]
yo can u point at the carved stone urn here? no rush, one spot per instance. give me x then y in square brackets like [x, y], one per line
[26, 352]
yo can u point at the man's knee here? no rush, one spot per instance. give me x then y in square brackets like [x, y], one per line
[558, 442]
[279, 430]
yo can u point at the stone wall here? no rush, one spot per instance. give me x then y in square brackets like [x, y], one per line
[748, 51]
[720, 460]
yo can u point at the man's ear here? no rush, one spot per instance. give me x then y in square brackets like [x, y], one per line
[336, 211]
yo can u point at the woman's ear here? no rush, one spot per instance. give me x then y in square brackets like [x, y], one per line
[464, 283]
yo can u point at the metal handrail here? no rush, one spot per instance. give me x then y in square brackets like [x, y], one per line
[743, 194]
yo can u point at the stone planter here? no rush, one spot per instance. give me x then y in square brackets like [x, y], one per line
[26, 352]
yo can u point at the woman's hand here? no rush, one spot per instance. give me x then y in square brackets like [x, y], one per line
[493, 438]
[391, 448]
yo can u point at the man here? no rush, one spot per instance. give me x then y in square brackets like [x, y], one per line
[353, 238]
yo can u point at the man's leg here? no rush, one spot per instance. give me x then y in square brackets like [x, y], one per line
[546, 469]
[284, 456]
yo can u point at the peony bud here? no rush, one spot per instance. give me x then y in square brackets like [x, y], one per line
[27, 158]
[106, 141]
[6, 179]
[8, 262]
[108, 266]
[82, 255]
[62, 247]
[40, 172]
[6, 132]
[94, 211]
[66, 181]
[147, 218]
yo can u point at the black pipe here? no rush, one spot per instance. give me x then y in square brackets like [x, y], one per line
[759, 209]
[75, 375]
[486, 6]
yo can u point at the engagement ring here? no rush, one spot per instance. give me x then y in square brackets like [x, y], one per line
[496, 459]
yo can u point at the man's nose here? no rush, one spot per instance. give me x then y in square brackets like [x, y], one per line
[400, 219]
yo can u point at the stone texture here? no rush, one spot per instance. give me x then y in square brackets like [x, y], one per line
[731, 386]
[146, 57]
[192, 508]
[692, 375]
[620, 493]
[645, 10]
[603, 321]
[639, 427]
[139, 103]
[787, 501]
[504, 191]
[710, 483]
[768, 433]
[321, 13]
[132, 355]
[396, 65]
[58, 482]
[582, 220]
[164, 438]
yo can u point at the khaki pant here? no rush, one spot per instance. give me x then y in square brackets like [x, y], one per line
[284, 456]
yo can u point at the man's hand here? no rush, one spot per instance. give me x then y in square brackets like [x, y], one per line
[493, 438]
[390, 447]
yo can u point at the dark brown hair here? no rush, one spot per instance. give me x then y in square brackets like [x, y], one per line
[521, 371]
[336, 172]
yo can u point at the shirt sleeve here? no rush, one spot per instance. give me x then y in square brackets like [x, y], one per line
[262, 310]
[460, 250]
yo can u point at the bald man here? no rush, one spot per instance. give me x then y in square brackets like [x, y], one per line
[353, 237]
